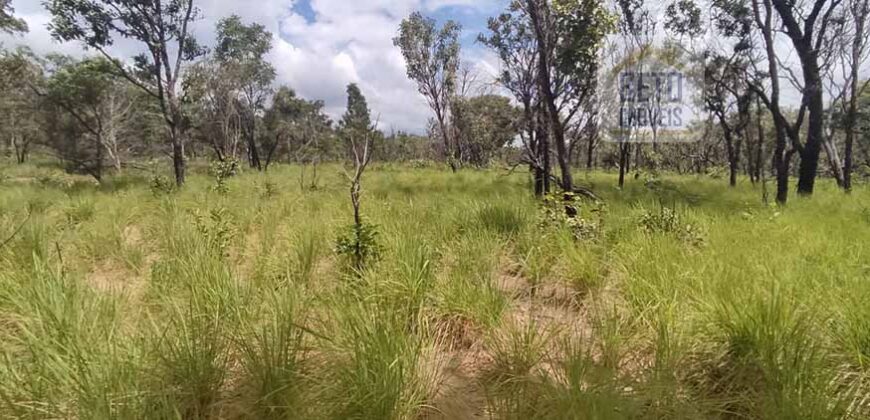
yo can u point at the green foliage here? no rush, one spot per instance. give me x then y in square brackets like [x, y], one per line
[216, 228]
[667, 221]
[221, 171]
[359, 244]
[431, 55]
[8, 22]
[162, 185]
[357, 119]
[486, 124]
[583, 218]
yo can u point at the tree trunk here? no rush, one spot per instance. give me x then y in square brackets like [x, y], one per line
[178, 163]
[556, 130]
[809, 164]
[859, 12]
[624, 158]
[542, 136]
[733, 159]
[781, 163]
[253, 151]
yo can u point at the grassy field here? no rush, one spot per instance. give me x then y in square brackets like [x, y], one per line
[681, 299]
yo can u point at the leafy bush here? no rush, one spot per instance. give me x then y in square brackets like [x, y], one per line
[667, 221]
[216, 228]
[360, 244]
[566, 210]
[221, 171]
[161, 185]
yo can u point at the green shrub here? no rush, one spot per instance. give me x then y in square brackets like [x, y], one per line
[359, 244]
[567, 210]
[162, 185]
[667, 221]
[221, 171]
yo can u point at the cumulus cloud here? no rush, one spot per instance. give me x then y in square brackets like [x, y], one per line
[320, 46]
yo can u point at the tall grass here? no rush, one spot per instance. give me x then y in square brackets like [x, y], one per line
[116, 303]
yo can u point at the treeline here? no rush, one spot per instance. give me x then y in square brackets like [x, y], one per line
[182, 100]
[553, 51]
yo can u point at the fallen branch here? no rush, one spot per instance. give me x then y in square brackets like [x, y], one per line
[16, 232]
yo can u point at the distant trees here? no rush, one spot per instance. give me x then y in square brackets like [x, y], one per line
[242, 49]
[767, 115]
[549, 51]
[432, 60]
[298, 128]
[485, 125]
[101, 107]
[20, 105]
[8, 22]
[162, 27]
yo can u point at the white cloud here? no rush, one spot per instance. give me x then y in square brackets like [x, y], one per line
[348, 41]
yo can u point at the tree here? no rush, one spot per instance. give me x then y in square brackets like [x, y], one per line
[806, 25]
[100, 104]
[859, 11]
[432, 60]
[569, 36]
[550, 55]
[486, 124]
[8, 22]
[162, 26]
[243, 48]
[298, 128]
[727, 96]
[512, 38]
[724, 82]
[20, 106]
[212, 96]
[357, 129]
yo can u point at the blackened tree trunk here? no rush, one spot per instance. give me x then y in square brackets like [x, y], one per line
[178, 163]
[624, 161]
[809, 165]
[253, 150]
[542, 136]
[539, 15]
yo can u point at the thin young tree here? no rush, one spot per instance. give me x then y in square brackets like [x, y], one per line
[432, 60]
[358, 131]
[511, 37]
[859, 12]
[244, 48]
[162, 27]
